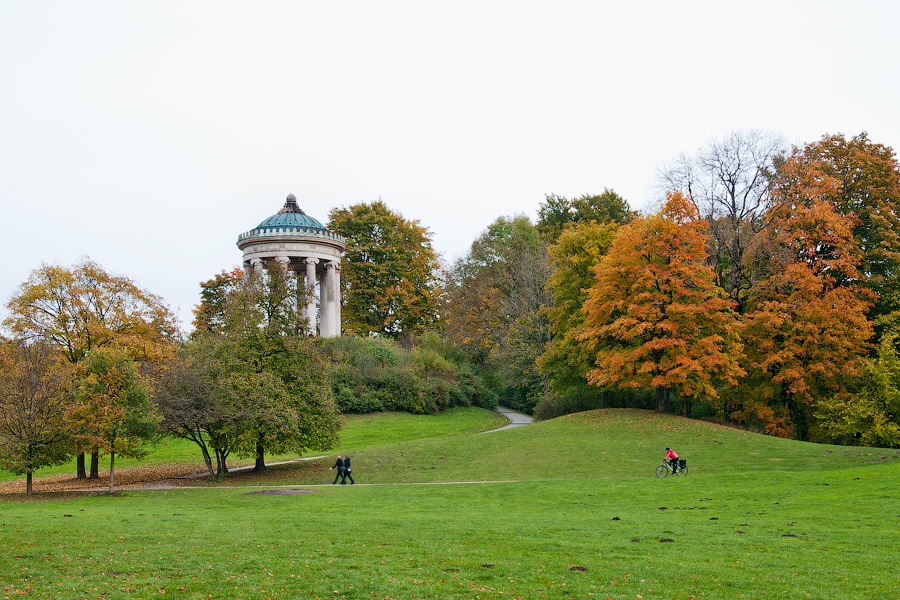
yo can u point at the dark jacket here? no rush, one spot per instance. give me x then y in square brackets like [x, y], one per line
[347, 463]
[339, 465]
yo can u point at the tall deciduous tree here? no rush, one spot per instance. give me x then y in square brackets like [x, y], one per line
[85, 308]
[389, 272]
[805, 329]
[34, 396]
[112, 410]
[277, 391]
[497, 309]
[192, 404]
[655, 318]
[576, 253]
[729, 181]
[271, 388]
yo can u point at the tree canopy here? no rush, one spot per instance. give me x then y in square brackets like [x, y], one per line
[390, 271]
[573, 258]
[112, 409]
[558, 211]
[729, 182]
[83, 308]
[868, 176]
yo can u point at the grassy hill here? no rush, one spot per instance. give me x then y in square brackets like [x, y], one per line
[600, 444]
[757, 517]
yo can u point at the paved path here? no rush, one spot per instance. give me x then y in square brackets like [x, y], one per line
[516, 419]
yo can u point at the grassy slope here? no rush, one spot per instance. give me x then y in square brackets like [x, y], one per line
[757, 517]
[597, 444]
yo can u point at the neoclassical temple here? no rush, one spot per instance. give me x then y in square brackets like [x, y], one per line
[300, 243]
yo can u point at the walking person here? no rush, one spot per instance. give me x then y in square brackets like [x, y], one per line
[347, 470]
[339, 465]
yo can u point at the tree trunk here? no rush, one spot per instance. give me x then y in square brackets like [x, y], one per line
[661, 400]
[81, 472]
[28, 488]
[221, 467]
[603, 398]
[260, 466]
[112, 467]
[207, 459]
[95, 465]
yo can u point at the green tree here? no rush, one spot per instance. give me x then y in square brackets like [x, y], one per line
[272, 388]
[869, 416]
[389, 272]
[193, 406]
[112, 410]
[498, 298]
[655, 318]
[85, 308]
[576, 253]
[557, 211]
[209, 314]
[279, 390]
[33, 399]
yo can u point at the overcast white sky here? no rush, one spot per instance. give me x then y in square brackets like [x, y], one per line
[148, 135]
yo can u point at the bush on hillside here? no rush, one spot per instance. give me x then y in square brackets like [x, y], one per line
[373, 375]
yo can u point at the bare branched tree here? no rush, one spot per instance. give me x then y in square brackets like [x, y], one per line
[728, 181]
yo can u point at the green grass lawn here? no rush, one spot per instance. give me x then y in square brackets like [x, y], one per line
[757, 517]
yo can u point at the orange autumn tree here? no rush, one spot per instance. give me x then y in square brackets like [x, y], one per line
[654, 317]
[805, 331]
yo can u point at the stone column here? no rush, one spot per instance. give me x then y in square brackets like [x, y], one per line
[257, 265]
[337, 299]
[311, 293]
[326, 307]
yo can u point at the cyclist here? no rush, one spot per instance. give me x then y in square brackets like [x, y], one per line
[672, 458]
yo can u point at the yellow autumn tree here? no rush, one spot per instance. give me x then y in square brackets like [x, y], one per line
[85, 308]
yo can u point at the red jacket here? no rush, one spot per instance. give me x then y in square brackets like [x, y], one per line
[671, 454]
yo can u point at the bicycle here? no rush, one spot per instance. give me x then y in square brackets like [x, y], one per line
[665, 468]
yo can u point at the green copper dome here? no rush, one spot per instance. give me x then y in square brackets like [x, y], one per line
[290, 224]
[290, 216]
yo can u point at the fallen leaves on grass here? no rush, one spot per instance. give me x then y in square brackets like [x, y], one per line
[127, 478]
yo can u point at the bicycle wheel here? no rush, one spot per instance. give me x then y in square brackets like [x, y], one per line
[681, 472]
[662, 471]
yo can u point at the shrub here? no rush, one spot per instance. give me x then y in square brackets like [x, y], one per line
[371, 375]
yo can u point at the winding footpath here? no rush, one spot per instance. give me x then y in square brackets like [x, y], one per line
[516, 419]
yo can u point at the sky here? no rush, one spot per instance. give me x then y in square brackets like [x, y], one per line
[149, 135]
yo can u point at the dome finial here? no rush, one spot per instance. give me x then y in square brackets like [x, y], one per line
[291, 206]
